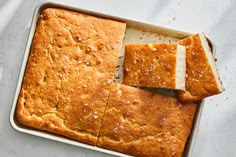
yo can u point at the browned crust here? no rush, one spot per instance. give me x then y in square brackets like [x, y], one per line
[69, 73]
[150, 65]
[141, 123]
[200, 80]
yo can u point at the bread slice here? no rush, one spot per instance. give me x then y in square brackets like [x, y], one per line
[155, 65]
[69, 73]
[142, 123]
[202, 78]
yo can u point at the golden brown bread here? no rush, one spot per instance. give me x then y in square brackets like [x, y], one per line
[69, 73]
[141, 123]
[66, 87]
[202, 78]
[155, 65]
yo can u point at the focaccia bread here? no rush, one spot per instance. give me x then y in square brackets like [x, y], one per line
[142, 123]
[155, 65]
[69, 73]
[202, 78]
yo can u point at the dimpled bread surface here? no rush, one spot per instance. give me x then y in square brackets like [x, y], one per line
[142, 123]
[69, 73]
[200, 80]
[150, 65]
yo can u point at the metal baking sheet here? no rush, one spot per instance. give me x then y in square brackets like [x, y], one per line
[136, 32]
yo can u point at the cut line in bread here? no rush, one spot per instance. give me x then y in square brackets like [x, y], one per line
[69, 73]
[202, 78]
[141, 123]
[155, 65]
[180, 67]
[211, 61]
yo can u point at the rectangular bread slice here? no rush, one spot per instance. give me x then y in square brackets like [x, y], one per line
[145, 124]
[202, 78]
[155, 65]
[69, 73]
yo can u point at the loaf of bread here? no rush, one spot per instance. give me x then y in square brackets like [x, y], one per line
[145, 124]
[68, 87]
[69, 73]
[202, 78]
[155, 65]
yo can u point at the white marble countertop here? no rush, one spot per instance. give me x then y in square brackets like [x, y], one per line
[217, 130]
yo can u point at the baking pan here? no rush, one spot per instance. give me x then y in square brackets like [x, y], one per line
[136, 32]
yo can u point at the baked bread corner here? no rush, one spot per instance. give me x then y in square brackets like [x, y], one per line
[155, 65]
[142, 123]
[202, 78]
